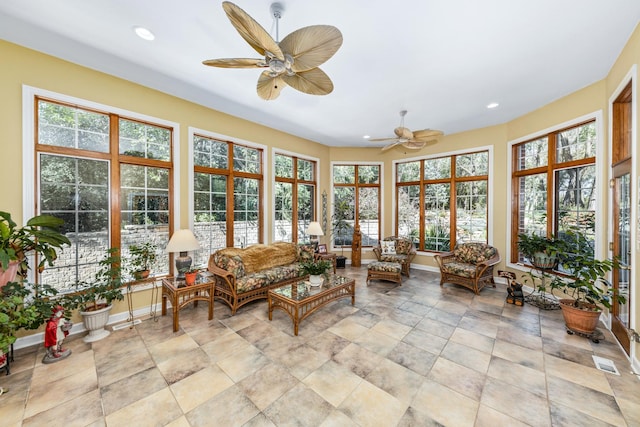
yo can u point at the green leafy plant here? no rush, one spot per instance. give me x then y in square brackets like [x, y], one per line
[541, 251]
[142, 257]
[14, 313]
[102, 291]
[41, 235]
[316, 267]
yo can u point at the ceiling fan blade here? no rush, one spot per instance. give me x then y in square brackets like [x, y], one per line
[384, 139]
[414, 145]
[313, 82]
[427, 133]
[388, 147]
[270, 87]
[235, 63]
[311, 46]
[251, 31]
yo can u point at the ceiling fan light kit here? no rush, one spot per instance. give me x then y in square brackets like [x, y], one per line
[408, 139]
[294, 61]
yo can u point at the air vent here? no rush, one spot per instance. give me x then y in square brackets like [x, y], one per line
[605, 365]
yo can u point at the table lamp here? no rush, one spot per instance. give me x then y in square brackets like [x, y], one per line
[183, 241]
[314, 231]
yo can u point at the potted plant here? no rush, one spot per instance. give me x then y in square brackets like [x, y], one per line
[340, 228]
[190, 276]
[315, 269]
[541, 251]
[40, 236]
[94, 300]
[586, 287]
[142, 257]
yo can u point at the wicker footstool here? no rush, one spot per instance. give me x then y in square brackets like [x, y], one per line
[383, 270]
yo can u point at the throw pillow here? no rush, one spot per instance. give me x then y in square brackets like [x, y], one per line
[388, 247]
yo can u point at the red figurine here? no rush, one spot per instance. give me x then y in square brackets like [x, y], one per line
[56, 331]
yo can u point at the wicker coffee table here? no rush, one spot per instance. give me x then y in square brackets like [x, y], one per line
[300, 299]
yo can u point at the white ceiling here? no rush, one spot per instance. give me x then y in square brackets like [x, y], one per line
[442, 60]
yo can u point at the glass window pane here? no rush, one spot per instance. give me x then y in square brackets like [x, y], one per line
[144, 140]
[210, 228]
[369, 174]
[210, 153]
[246, 159]
[437, 168]
[84, 207]
[284, 166]
[471, 211]
[344, 174]
[71, 127]
[368, 215]
[577, 143]
[284, 211]
[344, 213]
[246, 212]
[306, 170]
[437, 215]
[409, 212]
[533, 154]
[532, 204]
[408, 172]
[576, 198]
[475, 164]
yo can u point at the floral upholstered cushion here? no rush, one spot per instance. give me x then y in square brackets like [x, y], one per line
[392, 267]
[474, 253]
[388, 247]
[233, 264]
[403, 246]
[268, 277]
[460, 269]
[305, 252]
[393, 258]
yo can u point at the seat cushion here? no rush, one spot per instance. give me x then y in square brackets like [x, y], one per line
[474, 253]
[459, 269]
[391, 267]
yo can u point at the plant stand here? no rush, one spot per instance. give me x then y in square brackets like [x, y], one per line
[594, 336]
[539, 297]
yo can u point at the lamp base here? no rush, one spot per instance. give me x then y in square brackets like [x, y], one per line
[183, 264]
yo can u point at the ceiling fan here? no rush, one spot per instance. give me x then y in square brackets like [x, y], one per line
[293, 61]
[412, 140]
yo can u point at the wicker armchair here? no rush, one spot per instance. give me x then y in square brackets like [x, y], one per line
[470, 265]
[405, 251]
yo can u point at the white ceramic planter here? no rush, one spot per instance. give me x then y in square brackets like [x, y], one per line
[95, 322]
[316, 279]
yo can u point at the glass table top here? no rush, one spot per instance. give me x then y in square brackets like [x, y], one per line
[304, 289]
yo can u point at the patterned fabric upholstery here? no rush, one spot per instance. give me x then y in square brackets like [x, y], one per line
[385, 266]
[268, 277]
[470, 265]
[306, 252]
[233, 264]
[405, 252]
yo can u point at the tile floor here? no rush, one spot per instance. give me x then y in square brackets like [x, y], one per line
[410, 355]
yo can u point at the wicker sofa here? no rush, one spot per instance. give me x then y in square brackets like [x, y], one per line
[404, 252]
[245, 275]
[470, 265]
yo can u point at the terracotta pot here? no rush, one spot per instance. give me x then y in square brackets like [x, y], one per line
[9, 274]
[579, 320]
[190, 278]
[142, 274]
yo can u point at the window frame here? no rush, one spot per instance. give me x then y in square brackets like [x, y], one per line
[452, 180]
[356, 185]
[295, 182]
[32, 151]
[600, 171]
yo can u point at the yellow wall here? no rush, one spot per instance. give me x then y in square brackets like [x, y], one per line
[46, 72]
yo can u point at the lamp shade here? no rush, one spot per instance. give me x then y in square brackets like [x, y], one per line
[183, 241]
[315, 229]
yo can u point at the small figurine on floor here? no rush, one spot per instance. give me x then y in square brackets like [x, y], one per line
[56, 331]
[515, 295]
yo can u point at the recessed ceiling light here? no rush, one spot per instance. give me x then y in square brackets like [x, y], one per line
[144, 33]
[492, 105]
[366, 137]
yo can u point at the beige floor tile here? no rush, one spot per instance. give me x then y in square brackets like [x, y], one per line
[309, 409]
[458, 378]
[348, 329]
[467, 356]
[520, 404]
[130, 389]
[377, 342]
[243, 363]
[80, 411]
[368, 405]
[228, 408]
[158, 408]
[576, 373]
[175, 368]
[436, 328]
[200, 387]
[338, 419]
[518, 375]
[333, 382]
[473, 340]
[173, 347]
[266, 385]
[225, 346]
[489, 417]
[426, 341]
[519, 354]
[565, 416]
[444, 405]
[396, 380]
[631, 409]
[392, 329]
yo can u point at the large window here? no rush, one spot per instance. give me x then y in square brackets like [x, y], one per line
[82, 156]
[295, 196]
[443, 201]
[227, 195]
[553, 183]
[356, 189]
